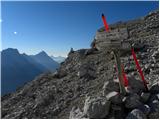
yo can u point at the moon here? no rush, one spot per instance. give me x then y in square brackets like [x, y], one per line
[15, 33]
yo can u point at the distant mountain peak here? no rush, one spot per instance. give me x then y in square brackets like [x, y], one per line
[42, 53]
[10, 51]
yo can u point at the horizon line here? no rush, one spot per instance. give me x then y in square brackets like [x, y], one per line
[66, 55]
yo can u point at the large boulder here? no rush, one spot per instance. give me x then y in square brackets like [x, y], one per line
[132, 101]
[96, 107]
[136, 86]
[136, 114]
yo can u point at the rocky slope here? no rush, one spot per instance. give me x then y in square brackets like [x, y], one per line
[86, 84]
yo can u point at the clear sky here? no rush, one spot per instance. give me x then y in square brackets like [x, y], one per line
[55, 27]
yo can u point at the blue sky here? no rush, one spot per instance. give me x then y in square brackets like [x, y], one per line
[55, 27]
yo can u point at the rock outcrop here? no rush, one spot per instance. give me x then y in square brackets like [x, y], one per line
[86, 84]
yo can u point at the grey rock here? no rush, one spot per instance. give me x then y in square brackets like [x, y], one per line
[90, 51]
[96, 107]
[154, 105]
[114, 97]
[136, 114]
[86, 71]
[110, 86]
[117, 111]
[145, 97]
[132, 101]
[155, 54]
[136, 85]
[145, 108]
[154, 115]
[61, 73]
[154, 88]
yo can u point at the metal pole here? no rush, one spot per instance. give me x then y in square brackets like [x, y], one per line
[120, 75]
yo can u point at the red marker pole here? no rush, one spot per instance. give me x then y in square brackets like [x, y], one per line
[105, 23]
[125, 77]
[139, 69]
[118, 61]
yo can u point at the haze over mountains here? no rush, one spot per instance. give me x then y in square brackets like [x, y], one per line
[45, 60]
[58, 59]
[17, 69]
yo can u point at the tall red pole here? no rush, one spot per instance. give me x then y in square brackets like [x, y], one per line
[125, 77]
[139, 69]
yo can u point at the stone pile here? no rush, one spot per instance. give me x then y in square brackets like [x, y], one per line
[135, 105]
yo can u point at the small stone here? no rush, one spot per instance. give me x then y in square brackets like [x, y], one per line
[136, 114]
[147, 68]
[157, 96]
[155, 54]
[154, 88]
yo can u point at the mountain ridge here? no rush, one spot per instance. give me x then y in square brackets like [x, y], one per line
[45, 60]
[17, 69]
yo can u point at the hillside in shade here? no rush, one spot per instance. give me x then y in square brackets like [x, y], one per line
[17, 69]
[43, 59]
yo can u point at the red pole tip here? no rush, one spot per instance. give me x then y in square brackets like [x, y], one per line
[105, 23]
